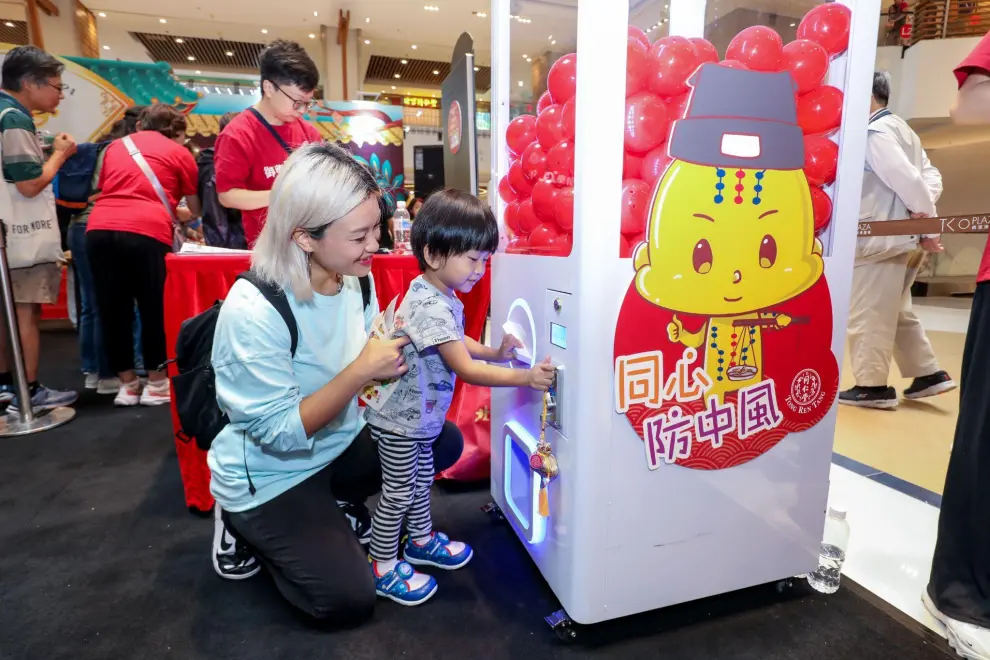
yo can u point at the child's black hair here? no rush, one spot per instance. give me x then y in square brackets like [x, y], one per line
[450, 223]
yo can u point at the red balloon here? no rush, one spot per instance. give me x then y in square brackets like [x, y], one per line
[822, 204]
[632, 164]
[562, 79]
[544, 200]
[828, 26]
[563, 245]
[543, 238]
[672, 61]
[506, 192]
[518, 245]
[807, 62]
[511, 217]
[545, 102]
[549, 129]
[677, 106]
[564, 208]
[568, 119]
[819, 112]
[640, 36]
[528, 221]
[560, 162]
[758, 47]
[734, 64]
[637, 67]
[517, 179]
[654, 165]
[821, 158]
[533, 162]
[635, 206]
[625, 247]
[520, 133]
[646, 122]
[706, 51]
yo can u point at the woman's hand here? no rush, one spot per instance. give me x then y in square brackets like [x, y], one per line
[382, 359]
[541, 376]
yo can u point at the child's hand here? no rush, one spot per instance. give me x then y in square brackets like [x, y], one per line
[541, 376]
[507, 351]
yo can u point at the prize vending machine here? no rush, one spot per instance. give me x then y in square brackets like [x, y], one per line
[679, 219]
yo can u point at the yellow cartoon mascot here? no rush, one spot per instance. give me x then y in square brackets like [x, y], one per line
[731, 232]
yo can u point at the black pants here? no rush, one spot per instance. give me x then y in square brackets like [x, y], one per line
[960, 579]
[126, 268]
[306, 543]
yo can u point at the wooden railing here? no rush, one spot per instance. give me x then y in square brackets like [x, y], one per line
[942, 19]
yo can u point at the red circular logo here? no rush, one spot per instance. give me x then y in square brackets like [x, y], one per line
[454, 127]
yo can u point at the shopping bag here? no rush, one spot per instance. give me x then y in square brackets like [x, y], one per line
[471, 412]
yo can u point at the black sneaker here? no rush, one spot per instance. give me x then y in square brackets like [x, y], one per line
[938, 383]
[360, 519]
[232, 560]
[884, 398]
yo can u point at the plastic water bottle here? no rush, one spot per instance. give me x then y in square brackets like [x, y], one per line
[401, 228]
[833, 553]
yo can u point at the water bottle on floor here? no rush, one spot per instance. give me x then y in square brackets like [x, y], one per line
[826, 578]
[401, 228]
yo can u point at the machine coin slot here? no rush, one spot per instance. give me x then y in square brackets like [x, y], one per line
[555, 415]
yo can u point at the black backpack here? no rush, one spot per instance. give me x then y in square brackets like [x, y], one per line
[194, 390]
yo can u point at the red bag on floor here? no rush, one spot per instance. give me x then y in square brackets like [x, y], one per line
[471, 412]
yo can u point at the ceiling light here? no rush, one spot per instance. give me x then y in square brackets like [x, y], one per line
[191, 58]
[433, 96]
[553, 42]
[315, 14]
[230, 53]
[162, 20]
[199, 73]
[106, 48]
[397, 76]
[436, 72]
[481, 14]
[477, 69]
[414, 46]
[102, 14]
[393, 87]
[404, 61]
[368, 19]
[550, 37]
[793, 24]
[419, 113]
[529, 59]
[9, 24]
[312, 36]
[520, 83]
[431, 8]
[525, 56]
[367, 42]
[264, 31]
[179, 40]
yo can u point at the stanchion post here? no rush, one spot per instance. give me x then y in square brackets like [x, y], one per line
[25, 422]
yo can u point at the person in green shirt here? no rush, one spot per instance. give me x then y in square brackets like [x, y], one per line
[31, 82]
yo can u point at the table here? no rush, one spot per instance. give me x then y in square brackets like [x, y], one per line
[195, 281]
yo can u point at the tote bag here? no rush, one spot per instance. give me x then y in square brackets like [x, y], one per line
[30, 225]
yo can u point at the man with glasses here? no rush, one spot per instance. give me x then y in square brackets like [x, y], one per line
[252, 148]
[32, 82]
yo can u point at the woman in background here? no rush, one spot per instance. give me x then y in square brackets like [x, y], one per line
[130, 231]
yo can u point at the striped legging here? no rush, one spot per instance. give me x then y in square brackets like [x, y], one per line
[407, 475]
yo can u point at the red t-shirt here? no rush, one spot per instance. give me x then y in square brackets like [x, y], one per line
[978, 62]
[248, 157]
[128, 202]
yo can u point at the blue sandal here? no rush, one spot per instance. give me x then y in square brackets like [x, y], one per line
[394, 585]
[437, 553]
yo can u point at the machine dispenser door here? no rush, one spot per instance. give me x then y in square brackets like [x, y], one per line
[522, 484]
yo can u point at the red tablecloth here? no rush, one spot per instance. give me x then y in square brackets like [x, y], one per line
[195, 282]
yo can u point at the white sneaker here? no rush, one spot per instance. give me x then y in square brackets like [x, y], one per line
[969, 641]
[156, 394]
[108, 386]
[92, 381]
[128, 395]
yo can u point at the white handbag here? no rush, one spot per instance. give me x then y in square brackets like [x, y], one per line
[30, 224]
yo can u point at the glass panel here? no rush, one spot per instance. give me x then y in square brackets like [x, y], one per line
[538, 187]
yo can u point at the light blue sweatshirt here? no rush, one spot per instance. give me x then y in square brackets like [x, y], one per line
[260, 385]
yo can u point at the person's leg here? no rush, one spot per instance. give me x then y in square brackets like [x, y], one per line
[913, 352]
[959, 586]
[113, 284]
[150, 296]
[303, 539]
[419, 521]
[28, 324]
[139, 365]
[84, 284]
[399, 459]
[873, 308]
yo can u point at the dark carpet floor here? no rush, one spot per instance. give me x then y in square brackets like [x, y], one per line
[100, 559]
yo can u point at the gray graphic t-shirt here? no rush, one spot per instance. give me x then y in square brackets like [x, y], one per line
[418, 406]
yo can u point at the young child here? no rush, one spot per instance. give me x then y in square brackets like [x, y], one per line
[453, 237]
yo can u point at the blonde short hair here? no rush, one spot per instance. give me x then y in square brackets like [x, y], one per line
[319, 184]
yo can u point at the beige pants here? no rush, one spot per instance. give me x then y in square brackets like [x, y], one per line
[882, 324]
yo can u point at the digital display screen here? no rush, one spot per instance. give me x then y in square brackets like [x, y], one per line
[558, 336]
